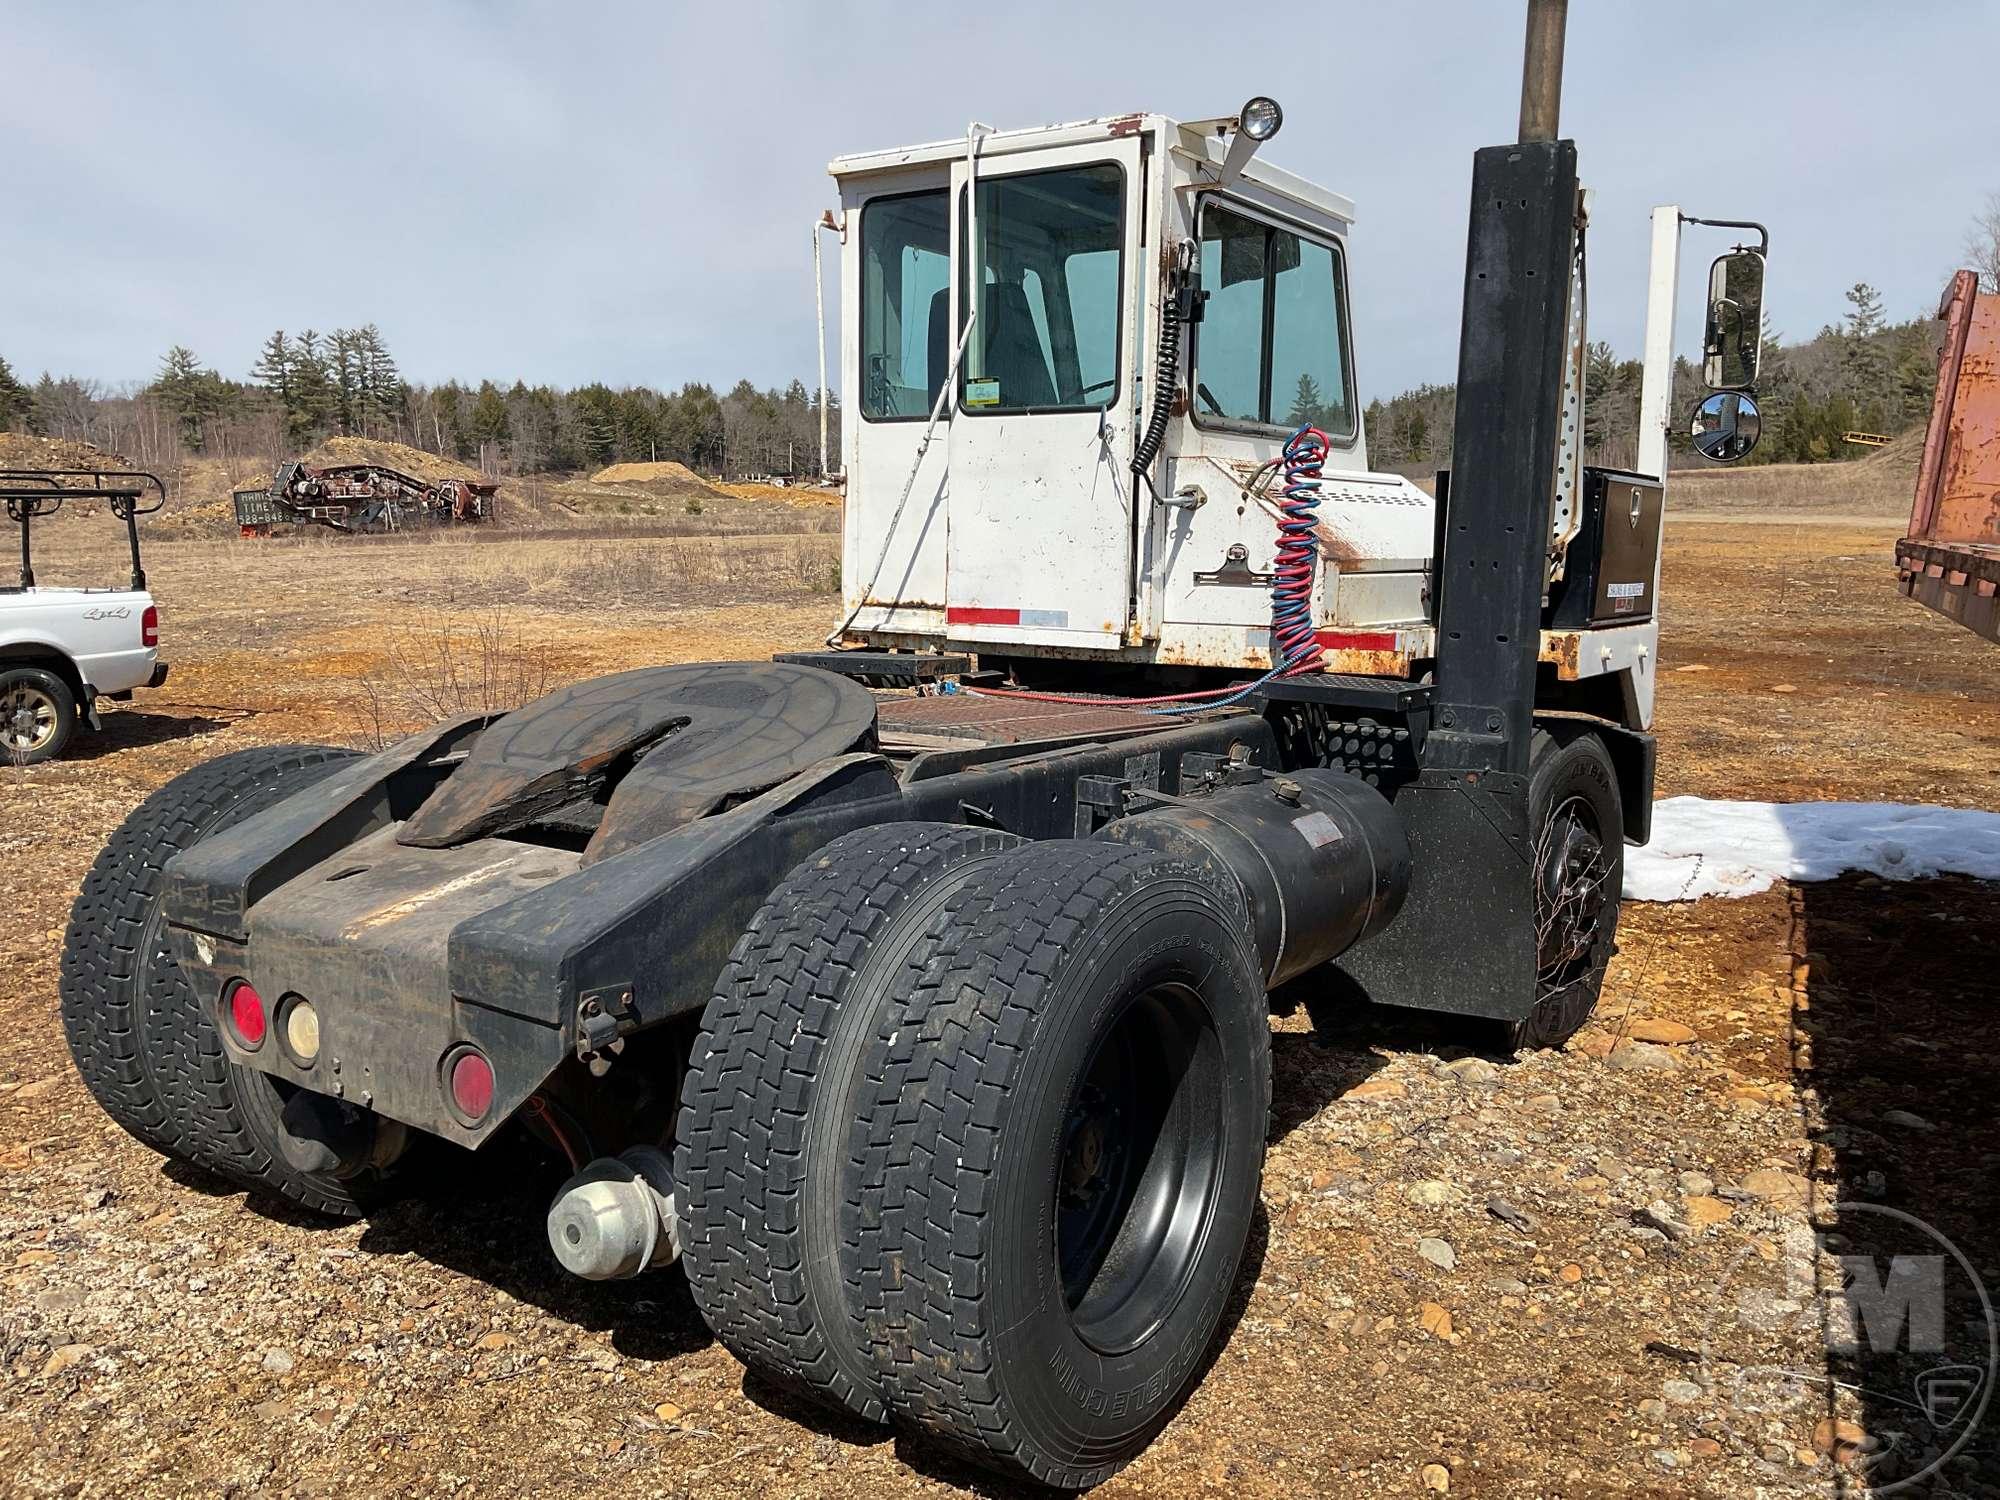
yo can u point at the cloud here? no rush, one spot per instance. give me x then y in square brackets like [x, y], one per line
[624, 192]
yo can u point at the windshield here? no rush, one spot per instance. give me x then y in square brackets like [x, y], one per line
[1050, 251]
[1270, 350]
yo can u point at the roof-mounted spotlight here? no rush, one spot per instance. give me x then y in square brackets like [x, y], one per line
[1260, 119]
[1255, 124]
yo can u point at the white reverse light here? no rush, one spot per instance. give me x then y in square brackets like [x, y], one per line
[302, 1032]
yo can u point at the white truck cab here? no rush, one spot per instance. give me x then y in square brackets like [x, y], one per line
[63, 649]
[1029, 477]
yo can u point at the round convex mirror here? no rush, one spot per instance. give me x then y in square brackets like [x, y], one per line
[1725, 426]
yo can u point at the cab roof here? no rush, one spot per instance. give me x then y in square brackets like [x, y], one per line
[1200, 141]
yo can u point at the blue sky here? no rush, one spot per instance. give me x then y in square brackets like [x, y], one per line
[624, 192]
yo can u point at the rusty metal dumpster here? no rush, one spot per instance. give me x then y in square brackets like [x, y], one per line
[1950, 561]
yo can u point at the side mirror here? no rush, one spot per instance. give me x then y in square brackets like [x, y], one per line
[1733, 341]
[1726, 426]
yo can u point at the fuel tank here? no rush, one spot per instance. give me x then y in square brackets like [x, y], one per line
[1320, 857]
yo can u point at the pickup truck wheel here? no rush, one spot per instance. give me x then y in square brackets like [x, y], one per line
[1579, 869]
[37, 715]
[1054, 1172]
[144, 1043]
[764, 1105]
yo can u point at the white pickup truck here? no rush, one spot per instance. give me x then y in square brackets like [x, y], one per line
[63, 649]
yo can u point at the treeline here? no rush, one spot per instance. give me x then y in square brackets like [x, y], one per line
[311, 386]
[1863, 374]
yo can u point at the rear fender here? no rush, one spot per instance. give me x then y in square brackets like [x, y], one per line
[212, 886]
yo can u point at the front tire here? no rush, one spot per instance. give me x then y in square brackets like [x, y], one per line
[1579, 871]
[145, 1045]
[37, 715]
[1054, 1170]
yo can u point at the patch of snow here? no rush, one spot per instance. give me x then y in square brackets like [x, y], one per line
[1713, 848]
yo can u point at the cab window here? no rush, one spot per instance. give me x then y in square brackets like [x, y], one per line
[1271, 348]
[1050, 251]
[905, 303]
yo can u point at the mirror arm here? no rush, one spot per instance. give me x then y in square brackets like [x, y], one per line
[1763, 234]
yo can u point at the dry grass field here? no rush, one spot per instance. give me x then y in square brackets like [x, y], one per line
[162, 1334]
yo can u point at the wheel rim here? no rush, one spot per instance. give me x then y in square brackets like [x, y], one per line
[28, 719]
[1572, 875]
[1139, 1168]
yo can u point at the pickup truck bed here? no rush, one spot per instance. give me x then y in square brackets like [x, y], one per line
[99, 643]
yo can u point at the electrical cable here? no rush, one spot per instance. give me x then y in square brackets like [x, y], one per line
[1180, 306]
[1294, 641]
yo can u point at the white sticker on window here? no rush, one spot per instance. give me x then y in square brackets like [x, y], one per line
[982, 393]
[1625, 591]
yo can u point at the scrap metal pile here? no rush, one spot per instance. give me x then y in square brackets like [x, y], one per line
[360, 497]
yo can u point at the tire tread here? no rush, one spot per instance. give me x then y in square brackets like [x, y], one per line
[139, 1036]
[755, 1074]
[941, 1068]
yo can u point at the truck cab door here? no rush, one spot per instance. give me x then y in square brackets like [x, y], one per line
[1040, 512]
[1270, 355]
[896, 271]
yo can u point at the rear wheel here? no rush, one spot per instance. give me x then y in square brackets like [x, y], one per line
[145, 1044]
[37, 715]
[763, 1108]
[1579, 866]
[1054, 1170]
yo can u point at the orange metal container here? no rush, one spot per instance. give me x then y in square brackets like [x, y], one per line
[1951, 558]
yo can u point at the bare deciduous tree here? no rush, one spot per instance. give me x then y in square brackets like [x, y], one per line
[1982, 244]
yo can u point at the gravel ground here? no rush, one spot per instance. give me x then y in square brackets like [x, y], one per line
[1472, 1274]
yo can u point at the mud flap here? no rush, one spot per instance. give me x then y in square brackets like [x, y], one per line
[1464, 941]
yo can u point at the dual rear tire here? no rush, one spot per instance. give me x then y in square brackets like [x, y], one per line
[142, 1039]
[973, 1136]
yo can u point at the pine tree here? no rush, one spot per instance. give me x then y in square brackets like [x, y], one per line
[1600, 366]
[312, 384]
[15, 398]
[1866, 318]
[1916, 383]
[1415, 436]
[1864, 365]
[1308, 402]
[191, 393]
[380, 386]
[275, 370]
[596, 423]
[345, 360]
[489, 415]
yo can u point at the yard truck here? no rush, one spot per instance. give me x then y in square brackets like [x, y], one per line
[910, 994]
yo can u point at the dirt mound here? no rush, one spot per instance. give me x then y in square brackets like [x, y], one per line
[1879, 485]
[671, 477]
[19, 450]
[398, 456]
[784, 494]
[1900, 458]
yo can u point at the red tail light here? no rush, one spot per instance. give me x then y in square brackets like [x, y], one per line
[469, 1079]
[149, 626]
[246, 1015]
